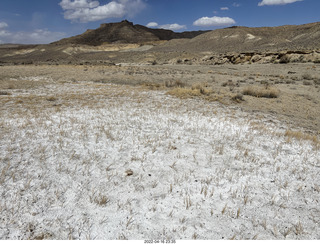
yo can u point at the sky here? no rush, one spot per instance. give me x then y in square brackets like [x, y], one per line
[45, 21]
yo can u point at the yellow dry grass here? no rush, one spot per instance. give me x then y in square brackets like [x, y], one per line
[196, 90]
[299, 135]
[184, 92]
[20, 84]
[256, 91]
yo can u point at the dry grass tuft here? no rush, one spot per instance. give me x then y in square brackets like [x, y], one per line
[202, 87]
[129, 172]
[20, 84]
[52, 99]
[151, 85]
[184, 92]
[174, 83]
[266, 92]
[298, 135]
[307, 77]
[196, 90]
[101, 200]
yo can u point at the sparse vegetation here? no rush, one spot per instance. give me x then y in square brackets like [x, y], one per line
[307, 77]
[5, 93]
[174, 83]
[161, 140]
[307, 83]
[125, 159]
[198, 89]
[299, 135]
[265, 92]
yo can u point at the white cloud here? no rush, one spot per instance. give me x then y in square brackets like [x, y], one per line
[214, 21]
[277, 2]
[110, 10]
[3, 25]
[40, 36]
[76, 4]
[4, 34]
[152, 25]
[88, 10]
[173, 27]
[224, 8]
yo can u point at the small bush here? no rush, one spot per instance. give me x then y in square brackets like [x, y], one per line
[242, 81]
[316, 81]
[4, 93]
[279, 82]
[229, 83]
[284, 59]
[237, 98]
[52, 99]
[290, 82]
[307, 83]
[266, 92]
[307, 77]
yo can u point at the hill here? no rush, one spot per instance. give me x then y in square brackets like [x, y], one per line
[125, 42]
[125, 32]
[245, 39]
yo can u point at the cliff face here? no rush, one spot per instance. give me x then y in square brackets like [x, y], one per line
[125, 32]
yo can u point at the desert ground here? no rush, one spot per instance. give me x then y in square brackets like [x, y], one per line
[160, 151]
[296, 86]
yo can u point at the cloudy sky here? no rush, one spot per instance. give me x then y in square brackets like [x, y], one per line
[45, 21]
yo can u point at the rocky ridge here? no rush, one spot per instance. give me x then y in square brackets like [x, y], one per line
[125, 32]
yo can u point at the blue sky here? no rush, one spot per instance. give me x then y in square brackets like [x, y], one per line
[45, 21]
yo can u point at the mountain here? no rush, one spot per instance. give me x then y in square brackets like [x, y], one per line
[245, 39]
[125, 32]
